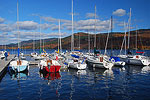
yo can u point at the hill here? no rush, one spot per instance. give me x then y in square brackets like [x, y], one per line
[115, 39]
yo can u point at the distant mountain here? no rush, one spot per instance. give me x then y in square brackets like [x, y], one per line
[115, 39]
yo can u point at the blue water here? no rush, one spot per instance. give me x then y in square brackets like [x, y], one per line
[131, 83]
[120, 83]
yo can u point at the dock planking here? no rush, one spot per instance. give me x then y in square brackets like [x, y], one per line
[4, 64]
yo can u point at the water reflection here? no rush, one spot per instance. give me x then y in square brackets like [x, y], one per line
[105, 73]
[50, 76]
[131, 69]
[119, 83]
[53, 80]
[77, 72]
[19, 76]
[145, 69]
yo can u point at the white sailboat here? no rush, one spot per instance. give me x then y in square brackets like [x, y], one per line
[19, 65]
[115, 59]
[71, 61]
[41, 55]
[2, 56]
[137, 59]
[99, 61]
[34, 54]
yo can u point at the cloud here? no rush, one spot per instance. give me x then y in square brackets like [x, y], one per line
[50, 19]
[91, 15]
[119, 12]
[2, 20]
[55, 27]
[28, 25]
[89, 24]
[46, 26]
[6, 27]
[74, 14]
[56, 34]
[54, 20]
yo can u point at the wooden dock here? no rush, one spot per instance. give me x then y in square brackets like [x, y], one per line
[4, 64]
[33, 63]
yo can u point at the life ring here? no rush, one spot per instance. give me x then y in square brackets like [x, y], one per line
[112, 60]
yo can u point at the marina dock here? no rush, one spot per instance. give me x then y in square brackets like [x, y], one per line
[4, 64]
[33, 63]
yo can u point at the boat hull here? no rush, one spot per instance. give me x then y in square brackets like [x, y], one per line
[52, 68]
[77, 66]
[23, 66]
[136, 61]
[95, 62]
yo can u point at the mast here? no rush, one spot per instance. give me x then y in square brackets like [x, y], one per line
[111, 33]
[34, 43]
[89, 41]
[125, 38]
[43, 42]
[95, 29]
[40, 34]
[18, 29]
[107, 38]
[79, 41]
[129, 30]
[72, 38]
[136, 39]
[60, 38]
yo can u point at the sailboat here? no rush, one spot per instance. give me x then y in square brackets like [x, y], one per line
[34, 54]
[2, 53]
[137, 59]
[2, 56]
[72, 60]
[41, 55]
[101, 60]
[50, 64]
[19, 65]
[115, 59]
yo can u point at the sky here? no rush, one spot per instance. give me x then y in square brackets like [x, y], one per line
[51, 11]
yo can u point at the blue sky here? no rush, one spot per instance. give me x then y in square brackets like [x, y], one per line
[52, 10]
